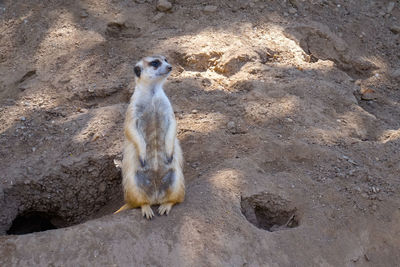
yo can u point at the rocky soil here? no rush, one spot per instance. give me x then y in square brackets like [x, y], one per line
[288, 115]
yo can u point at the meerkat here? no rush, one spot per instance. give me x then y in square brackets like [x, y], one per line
[152, 156]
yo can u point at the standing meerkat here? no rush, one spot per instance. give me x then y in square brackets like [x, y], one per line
[152, 157]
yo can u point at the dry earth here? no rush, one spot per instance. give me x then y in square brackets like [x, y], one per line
[288, 114]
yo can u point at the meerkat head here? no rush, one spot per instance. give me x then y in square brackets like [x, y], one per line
[152, 70]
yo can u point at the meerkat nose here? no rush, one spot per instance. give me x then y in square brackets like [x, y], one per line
[169, 68]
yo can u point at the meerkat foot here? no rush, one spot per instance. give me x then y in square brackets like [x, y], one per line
[147, 212]
[165, 208]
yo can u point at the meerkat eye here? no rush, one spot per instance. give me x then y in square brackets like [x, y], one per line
[166, 60]
[155, 63]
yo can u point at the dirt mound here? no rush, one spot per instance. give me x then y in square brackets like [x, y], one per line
[288, 115]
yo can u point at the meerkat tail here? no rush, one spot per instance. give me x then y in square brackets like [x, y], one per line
[124, 207]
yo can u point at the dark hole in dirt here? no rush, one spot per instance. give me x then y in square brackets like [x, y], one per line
[34, 221]
[78, 190]
[269, 212]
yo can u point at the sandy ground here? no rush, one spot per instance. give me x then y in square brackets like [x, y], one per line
[288, 115]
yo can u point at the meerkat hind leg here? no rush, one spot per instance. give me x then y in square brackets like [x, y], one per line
[147, 212]
[165, 208]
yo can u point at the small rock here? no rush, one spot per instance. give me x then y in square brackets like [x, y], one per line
[390, 7]
[157, 17]
[81, 110]
[117, 163]
[195, 111]
[210, 9]
[292, 10]
[23, 87]
[83, 14]
[65, 80]
[23, 119]
[195, 165]
[289, 119]
[395, 74]
[368, 94]
[395, 29]
[231, 125]
[102, 187]
[163, 5]
[33, 149]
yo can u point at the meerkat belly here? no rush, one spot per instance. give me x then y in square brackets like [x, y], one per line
[154, 127]
[157, 176]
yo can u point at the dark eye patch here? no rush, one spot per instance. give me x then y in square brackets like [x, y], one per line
[155, 63]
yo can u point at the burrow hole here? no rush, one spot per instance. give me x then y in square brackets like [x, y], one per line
[269, 212]
[35, 221]
[52, 203]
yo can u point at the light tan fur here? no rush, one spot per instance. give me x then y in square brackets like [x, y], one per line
[150, 119]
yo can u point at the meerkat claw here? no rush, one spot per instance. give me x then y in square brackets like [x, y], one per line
[147, 212]
[169, 159]
[142, 162]
[164, 208]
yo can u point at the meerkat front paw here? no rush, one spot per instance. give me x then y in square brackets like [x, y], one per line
[165, 208]
[147, 212]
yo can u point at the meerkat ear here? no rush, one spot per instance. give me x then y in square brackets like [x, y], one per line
[138, 71]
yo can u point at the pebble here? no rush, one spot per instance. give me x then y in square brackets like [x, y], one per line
[368, 94]
[157, 17]
[395, 74]
[195, 165]
[395, 29]
[375, 189]
[210, 9]
[292, 10]
[390, 7]
[195, 111]
[23, 119]
[163, 5]
[231, 125]
[83, 14]
[102, 187]
[65, 80]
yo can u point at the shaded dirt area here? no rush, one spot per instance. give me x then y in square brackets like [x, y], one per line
[288, 115]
